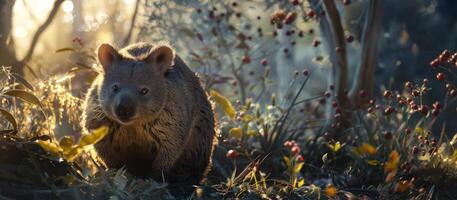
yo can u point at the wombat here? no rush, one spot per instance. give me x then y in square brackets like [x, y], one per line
[161, 123]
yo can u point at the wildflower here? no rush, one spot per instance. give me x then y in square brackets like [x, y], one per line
[368, 149]
[392, 163]
[331, 191]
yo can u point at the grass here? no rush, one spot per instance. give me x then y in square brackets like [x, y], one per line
[267, 150]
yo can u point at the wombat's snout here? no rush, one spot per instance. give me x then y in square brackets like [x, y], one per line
[125, 109]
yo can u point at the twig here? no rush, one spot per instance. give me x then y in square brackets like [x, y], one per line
[41, 29]
[132, 23]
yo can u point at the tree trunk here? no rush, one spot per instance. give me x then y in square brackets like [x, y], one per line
[7, 51]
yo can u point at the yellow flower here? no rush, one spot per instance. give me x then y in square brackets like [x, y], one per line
[331, 191]
[224, 103]
[236, 132]
[392, 163]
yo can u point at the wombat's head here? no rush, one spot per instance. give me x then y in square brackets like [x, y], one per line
[134, 86]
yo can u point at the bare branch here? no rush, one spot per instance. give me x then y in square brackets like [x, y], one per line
[333, 30]
[41, 29]
[364, 77]
[132, 23]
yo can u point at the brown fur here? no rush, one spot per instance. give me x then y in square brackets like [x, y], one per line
[176, 143]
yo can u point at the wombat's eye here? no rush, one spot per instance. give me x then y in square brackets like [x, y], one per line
[115, 88]
[144, 91]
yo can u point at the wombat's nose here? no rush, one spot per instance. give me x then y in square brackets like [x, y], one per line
[125, 109]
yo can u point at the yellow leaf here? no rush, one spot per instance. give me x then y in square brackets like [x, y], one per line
[392, 163]
[373, 162]
[298, 167]
[236, 132]
[331, 191]
[252, 132]
[50, 147]
[66, 143]
[337, 147]
[368, 149]
[224, 103]
[419, 130]
[247, 117]
[301, 182]
[72, 154]
[94, 136]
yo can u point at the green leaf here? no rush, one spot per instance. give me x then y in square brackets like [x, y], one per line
[373, 162]
[22, 80]
[64, 49]
[9, 117]
[24, 95]
[288, 163]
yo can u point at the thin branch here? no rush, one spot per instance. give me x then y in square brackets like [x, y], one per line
[41, 29]
[132, 23]
[364, 77]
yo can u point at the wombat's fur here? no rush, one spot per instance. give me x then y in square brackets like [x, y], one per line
[161, 122]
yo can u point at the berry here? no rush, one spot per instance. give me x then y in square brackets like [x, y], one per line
[245, 59]
[389, 110]
[316, 43]
[299, 158]
[295, 150]
[290, 18]
[305, 72]
[232, 154]
[311, 13]
[387, 94]
[440, 76]
[388, 135]
[349, 38]
[264, 62]
[346, 2]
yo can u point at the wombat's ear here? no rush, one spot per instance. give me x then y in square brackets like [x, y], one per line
[107, 55]
[162, 57]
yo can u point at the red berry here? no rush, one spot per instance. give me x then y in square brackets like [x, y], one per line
[435, 63]
[316, 43]
[305, 72]
[370, 110]
[387, 94]
[440, 76]
[264, 62]
[437, 105]
[299, 158]
[245, 59]
[389, 110]
[349, 38]
[388, 135]
[346, 2]
[232, 154]
[311, 13]
[423, 109]
[295, 150]
[290, 17]
[409, 84]
[338, 49]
